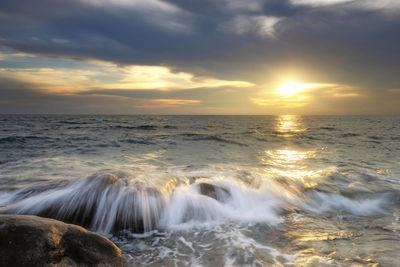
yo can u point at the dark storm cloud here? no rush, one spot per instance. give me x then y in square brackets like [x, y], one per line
[125, 35]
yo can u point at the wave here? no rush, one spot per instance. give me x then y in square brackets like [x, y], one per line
[137, 141]
[108, 204]
[350, 135]
[72, 122]
[170, 127]
[206, 137]
[20, 139]
[328, 128]
[140, 127]
[328, 202]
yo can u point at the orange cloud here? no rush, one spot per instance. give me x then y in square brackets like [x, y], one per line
[164, 103]
[346, 95]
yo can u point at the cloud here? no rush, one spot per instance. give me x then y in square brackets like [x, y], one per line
[18, 97]
[263, 26]
[137, 4]
[98, 74]
[346, 95]
[155, 104]
[222, 53]
[291, 95]
[317, 3]
[239, 5]
[156, 77]
[220, 38]
[387, 6]
[59, 41]
[281, 103]
[157, 12]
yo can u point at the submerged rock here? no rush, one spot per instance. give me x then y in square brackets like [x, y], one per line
[33, 241]
[214, 191]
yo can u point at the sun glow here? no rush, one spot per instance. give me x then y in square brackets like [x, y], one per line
[291, 88]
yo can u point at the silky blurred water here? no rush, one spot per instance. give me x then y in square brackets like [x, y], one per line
[288, 190]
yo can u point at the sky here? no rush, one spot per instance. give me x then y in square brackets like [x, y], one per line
[271, 57]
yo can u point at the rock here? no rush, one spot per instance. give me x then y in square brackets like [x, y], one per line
[138, 211]
[103, 203]
[214, 191]
[27, 240]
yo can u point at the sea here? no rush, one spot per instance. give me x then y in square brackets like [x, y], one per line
[213, 190]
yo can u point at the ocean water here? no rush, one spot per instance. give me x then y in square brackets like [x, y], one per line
[213, 190]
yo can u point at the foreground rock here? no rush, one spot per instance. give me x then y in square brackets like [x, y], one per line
[33, 241]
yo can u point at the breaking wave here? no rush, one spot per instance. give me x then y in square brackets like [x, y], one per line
[108, 204]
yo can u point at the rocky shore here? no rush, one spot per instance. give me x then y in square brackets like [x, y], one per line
[27, 240]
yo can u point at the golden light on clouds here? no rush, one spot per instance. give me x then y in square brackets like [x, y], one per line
[286, 95]
[290, 95]
[164, 103]
[292, 91]
[159, 77]
[50, 79]
[346, 95]
[110, 76]
[280, 102]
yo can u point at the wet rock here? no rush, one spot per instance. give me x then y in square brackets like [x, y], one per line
[214, 191]
[104, 203]
[138, 211]
[33, 241]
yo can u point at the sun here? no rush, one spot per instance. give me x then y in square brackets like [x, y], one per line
[291, 88]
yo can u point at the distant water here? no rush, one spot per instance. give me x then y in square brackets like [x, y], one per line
[213, 190]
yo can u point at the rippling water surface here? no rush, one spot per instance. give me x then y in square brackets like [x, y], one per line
[213, 190]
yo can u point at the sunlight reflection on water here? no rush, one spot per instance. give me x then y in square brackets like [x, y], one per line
[289, 125]
[288, 162]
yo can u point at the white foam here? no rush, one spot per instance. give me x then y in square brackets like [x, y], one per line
[188, 207]
[237, 239]
[186, 243]
[329, 202]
